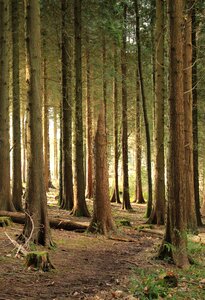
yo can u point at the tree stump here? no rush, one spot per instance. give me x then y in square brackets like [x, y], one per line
[5, 221]
[39, 260]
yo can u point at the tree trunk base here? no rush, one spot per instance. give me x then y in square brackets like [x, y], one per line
[39, 261]
[5, 221]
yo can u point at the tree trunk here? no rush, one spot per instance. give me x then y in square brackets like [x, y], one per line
[89, 140]
[17, 178]
[67, 57]
[80, 207]
[144, 106]
[195, 114]
[176, 217]
[138, 183]
[102, 221]
[5, 195]
[37, 224]
[46, 128]
[188, 124]
[158, 211]
[55, 134]
[115, 196]
[125, 195]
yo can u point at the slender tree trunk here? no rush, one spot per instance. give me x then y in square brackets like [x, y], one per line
[188, 124]
[158, 212]
[5, 195]
[176, 219]
[46, 128]
[195, 114]
[104, 50]
[17, 178]
[126, 197]
[55, 134]
[37, 224]
[115, 196]
[102, 220]
[146, 121]
[138, 183]
[89, 140]
[80, 207]
[67, 55]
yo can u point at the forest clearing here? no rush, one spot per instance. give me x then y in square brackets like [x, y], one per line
[94, 267]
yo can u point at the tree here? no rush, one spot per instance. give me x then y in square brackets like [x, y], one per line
[80, 207]
[138, 184]
[115, 196]
[158, 211]
[188, 122]
[102, 221]
[17, 178]
[37, 224]
[125, 194]
[5, 196]
[67, 57]
[144, 106]
[176, 217]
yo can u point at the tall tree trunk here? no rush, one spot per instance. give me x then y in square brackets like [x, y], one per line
[55, 134]
[176, 218]
[138, 177]
[188, 124]
[125, 195]
[89, 134]
[5, 195]
[115, 196]
[158, 211]
[80, 207]
[46, 140]
[104, 50]
[195, 114]
[37, 224]
[144, 106]
[67, 57]
[102, 220]
[17, 178]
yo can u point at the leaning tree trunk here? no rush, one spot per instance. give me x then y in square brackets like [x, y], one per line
[80, 207]
[5, 195]
[125, 195]
[115, 196]
[158, 211]
[188, 124]
[36, 227]
[67, 57]
[144, 106]
[17, 178]
[176, 218]
[102, 220]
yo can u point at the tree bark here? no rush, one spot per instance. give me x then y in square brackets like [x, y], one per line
[115, 196]
[125, 194]
[5, 195]
[55, 134]
[144, 106]
[176, 216]
[17, 178]
[67, 58]
[80, 207]
[158, 211]
[37, 223]
[188, 122]
[102, 221]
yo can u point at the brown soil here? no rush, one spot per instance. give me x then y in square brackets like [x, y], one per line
[86, 266]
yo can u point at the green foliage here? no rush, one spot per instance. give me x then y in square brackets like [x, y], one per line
[5, 221]
[124, 222]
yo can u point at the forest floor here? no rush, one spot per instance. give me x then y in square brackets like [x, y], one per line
[93, 267]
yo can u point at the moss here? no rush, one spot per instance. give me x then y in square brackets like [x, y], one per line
[39, 260]
[5, 221]
[124, 222]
